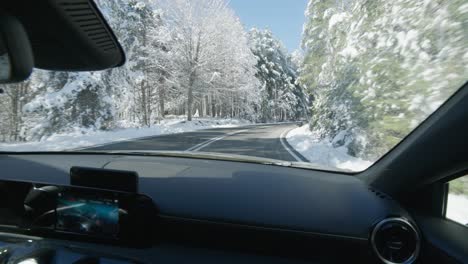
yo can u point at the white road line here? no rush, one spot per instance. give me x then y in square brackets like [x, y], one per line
[210, 141]
[285, 146]
[200, 145]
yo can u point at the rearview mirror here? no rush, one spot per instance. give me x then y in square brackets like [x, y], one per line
[16, 58]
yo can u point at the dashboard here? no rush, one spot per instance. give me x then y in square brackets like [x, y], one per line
[209, 211]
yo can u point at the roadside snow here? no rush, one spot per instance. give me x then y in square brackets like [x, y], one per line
[84, 138]
[457, 208]
[322, 152]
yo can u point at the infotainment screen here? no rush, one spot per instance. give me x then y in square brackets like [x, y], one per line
[87, 214]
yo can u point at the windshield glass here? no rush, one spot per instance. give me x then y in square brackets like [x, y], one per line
[333, 83]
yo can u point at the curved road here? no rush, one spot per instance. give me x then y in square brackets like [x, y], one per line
[257, 140]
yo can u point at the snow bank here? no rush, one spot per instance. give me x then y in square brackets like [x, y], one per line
[322, 152]
[85, 138]
[457, 208]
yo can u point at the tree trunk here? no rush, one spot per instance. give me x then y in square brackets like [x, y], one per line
[193, 75]
[161, 101]
[14, 101]
[149, 105]
[207, 106]
[144, 99]
[190, 98]
[144, 107]
[232, 105]
[213, 106]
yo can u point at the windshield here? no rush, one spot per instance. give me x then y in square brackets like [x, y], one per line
[336, 84]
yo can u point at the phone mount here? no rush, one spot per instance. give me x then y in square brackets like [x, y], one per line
[115, 180]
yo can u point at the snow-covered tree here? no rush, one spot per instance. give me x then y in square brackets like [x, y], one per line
[209, 51]
[282, 97]
[378, 68]
[12, 100]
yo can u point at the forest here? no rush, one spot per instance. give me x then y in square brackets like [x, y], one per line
[190, 58]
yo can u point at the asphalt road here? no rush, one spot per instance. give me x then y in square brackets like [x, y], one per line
[265, 141]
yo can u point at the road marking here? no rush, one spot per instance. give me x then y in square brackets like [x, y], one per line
[285, 145]
[210, 141]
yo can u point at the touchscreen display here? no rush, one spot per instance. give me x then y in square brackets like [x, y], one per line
[87, 214]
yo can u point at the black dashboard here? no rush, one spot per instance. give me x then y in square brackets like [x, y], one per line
[218, 211]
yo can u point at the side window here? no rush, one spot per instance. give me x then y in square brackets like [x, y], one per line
[457, 202]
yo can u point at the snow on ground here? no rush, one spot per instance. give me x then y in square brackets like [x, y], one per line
[84, 138]
[457, 208]
[322, 152]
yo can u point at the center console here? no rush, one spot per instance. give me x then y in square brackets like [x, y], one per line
[78, 212]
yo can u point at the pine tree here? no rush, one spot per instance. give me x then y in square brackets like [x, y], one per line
[281, 97]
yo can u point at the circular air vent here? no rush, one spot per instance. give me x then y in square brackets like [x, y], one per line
[395, 240]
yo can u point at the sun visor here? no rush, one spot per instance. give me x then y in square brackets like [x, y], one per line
[67, 35]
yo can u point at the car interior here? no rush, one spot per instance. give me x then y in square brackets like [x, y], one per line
[71, 207]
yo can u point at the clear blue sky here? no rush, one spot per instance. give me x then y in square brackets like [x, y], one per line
[283, 17]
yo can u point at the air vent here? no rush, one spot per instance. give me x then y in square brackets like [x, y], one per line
[396, 241]
[379, 194]
[84, 16]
